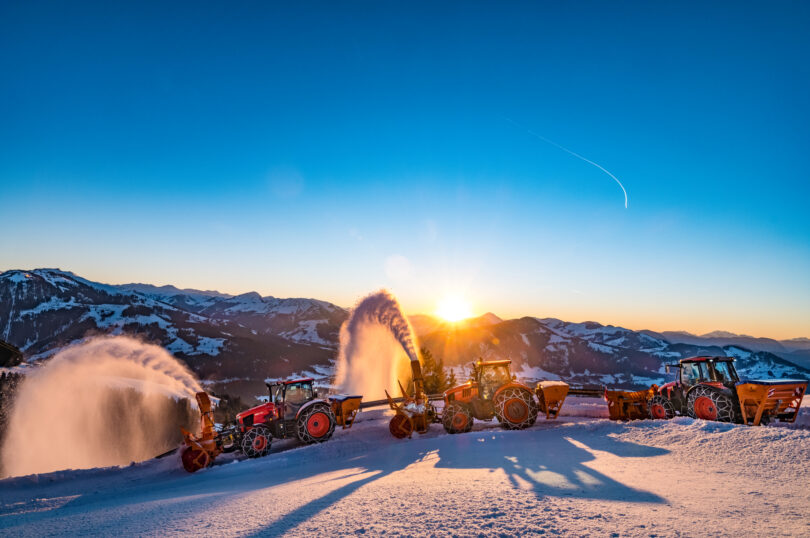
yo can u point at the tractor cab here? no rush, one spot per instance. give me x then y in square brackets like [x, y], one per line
[289, 396]
[490, 376]
[716, 371]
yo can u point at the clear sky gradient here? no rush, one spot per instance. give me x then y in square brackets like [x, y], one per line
[326, 151]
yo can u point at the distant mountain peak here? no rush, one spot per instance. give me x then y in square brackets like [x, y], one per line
[486, 319]
[249, 296]
[168, 289]
[723, 334]
[685, 333]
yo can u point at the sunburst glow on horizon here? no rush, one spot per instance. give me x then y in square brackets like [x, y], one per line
[453, 308]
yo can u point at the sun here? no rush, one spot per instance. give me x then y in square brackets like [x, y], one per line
[453, 308]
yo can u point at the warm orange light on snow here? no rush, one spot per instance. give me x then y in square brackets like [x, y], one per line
[453, 308]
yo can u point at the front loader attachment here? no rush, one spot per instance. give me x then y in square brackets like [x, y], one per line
[550, 397]
[772, 398]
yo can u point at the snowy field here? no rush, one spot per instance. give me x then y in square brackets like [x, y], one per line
[580, 475]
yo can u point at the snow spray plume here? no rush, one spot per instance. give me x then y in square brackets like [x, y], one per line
[376, 347]
[108, 401]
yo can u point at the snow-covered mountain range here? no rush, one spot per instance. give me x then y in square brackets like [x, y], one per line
[796, 350]
[234, 342]
[587, 352]
[243, 339]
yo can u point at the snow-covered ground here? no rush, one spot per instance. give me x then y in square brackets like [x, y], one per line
[574, 476]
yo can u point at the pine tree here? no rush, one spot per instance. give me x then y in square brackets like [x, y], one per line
[451, 380]
[436, 379]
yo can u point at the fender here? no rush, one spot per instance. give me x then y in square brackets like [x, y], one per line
[462, 393]
[259, 415]
[310, 404]
[668, 388]
[715, 384]
[717, 387]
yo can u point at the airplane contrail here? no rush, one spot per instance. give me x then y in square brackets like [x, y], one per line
[577, 155]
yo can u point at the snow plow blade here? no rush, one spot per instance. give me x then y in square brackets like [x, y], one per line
[550, 397]
[624, 405]
[345, 408]
[771, 398]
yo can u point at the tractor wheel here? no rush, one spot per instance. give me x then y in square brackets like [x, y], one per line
[401, 426]
[195, 458]
[457, 418]
[256, 441]
[708, 404]
[515, 408]
[316, 424]
[660, 408]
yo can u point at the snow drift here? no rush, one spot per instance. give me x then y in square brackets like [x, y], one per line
[108, 401]
[376, 345]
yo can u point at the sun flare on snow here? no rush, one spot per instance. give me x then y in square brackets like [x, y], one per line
[453, 308]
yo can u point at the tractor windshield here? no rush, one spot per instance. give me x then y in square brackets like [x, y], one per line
[298, 393]
[693, 372]
[724, 372]
[493, 377]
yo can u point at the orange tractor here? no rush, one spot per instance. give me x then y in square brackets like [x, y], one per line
[709, 388]
[491, 393]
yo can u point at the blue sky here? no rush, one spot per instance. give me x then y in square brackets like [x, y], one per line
[327, 151]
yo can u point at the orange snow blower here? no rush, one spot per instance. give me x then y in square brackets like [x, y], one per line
[411, 412]
[201, 450]
[625, 405]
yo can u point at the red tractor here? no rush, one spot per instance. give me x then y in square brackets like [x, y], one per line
[492, 392]
[709, 388]
[293, 411]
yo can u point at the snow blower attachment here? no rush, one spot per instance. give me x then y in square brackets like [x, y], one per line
[624, 405]
[201, 450]
[411, 412]
[709, 388]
